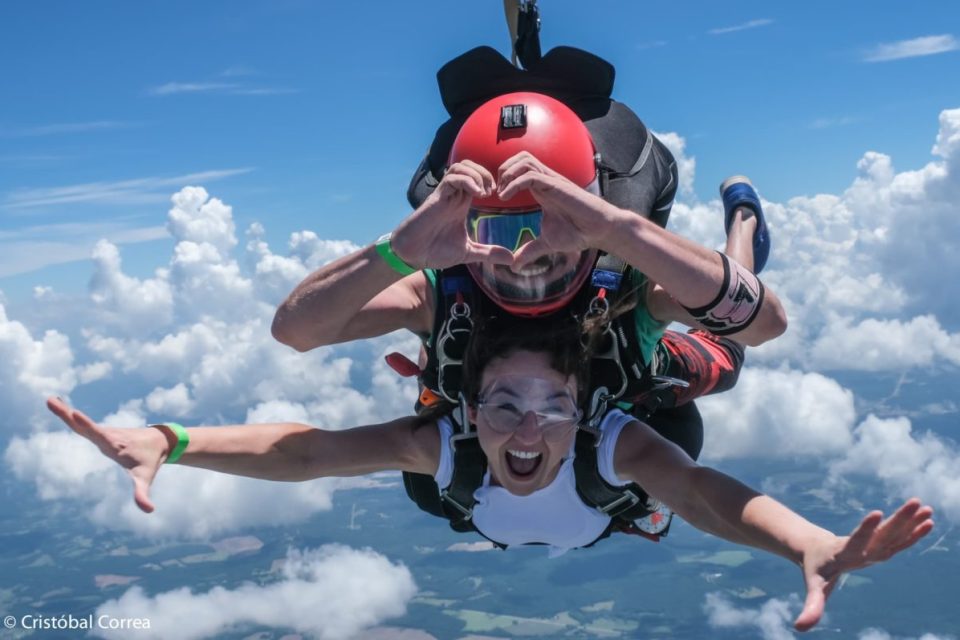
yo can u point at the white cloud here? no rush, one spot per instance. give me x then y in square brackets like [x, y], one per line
[224, 88]
[196, 337]
[923, 46]
[127, 303]
[751, 24]
[872, 344]
[172, 88]
[331, 593]
[778, 413]
[30, 370]
[773, 619]
[909, 464]
[879, 634]
[848, 267]
[686, 165]
[34, 248]
[64, 467]
[472, 547]
[198, 218]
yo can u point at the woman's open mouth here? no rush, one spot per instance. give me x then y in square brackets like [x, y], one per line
[523, 463]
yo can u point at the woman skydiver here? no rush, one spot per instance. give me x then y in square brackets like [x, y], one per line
[524, 394]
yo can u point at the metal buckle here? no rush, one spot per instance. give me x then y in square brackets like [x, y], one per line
[665, 382]
[626, 496]
[467, 513]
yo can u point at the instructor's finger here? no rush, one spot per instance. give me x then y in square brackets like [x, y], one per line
[488, 253]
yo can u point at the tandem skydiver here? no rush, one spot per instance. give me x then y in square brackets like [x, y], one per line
[518, 226]
[523, 391]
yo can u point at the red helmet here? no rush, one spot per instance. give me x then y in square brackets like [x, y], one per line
[549, 130]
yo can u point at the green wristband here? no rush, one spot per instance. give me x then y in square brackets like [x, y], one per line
[183, 439]
[392, 259]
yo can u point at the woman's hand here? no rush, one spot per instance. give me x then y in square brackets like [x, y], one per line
[435, 235]
[874, 540]
[139, 451]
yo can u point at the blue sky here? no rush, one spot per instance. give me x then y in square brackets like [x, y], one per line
[313, 115]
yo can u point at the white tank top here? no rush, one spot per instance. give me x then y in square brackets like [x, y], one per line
[554, 515]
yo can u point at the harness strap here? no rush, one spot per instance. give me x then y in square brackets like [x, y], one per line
[456, 298]
[469, 465]
[628, 502]
[618, 362]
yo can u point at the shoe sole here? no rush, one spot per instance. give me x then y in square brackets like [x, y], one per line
[732, 180]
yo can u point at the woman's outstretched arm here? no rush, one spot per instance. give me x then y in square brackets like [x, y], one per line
[721, 505]
[283, 451]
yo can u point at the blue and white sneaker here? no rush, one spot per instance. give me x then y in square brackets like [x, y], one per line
[738, 191]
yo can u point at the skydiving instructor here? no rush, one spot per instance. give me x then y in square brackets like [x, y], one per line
[534, 266]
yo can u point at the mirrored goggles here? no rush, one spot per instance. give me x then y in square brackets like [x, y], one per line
[508, 230]
[506, 404]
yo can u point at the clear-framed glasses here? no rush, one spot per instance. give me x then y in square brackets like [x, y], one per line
[506, 404]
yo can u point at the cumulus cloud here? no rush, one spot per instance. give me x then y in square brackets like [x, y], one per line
[126, 303]
[778, 413]
[861, 272]
[908, 463]
[62, 466]
[330, 593]
[772, 620]
[195, 340]
[871, 344]
[30, 370]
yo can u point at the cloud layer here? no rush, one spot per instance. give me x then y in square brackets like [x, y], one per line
[330, 593]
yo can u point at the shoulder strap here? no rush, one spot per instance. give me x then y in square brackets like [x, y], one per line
[457, 299]
[618, 363]
[456, 502]
[623, 503]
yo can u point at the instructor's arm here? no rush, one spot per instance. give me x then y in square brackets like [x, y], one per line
[361, 296]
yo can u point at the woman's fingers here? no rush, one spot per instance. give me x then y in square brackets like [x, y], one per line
[141, 495]
[76, 420]
[812, 608]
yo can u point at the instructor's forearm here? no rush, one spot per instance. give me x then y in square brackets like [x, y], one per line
[691, 275]
[317, 311]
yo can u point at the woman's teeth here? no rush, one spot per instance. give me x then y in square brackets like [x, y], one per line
[523, 463]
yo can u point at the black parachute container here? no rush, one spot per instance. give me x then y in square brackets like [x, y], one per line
[637, 171]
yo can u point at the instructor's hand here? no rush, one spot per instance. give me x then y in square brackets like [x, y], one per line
[139, 451]
[435, 235]
[574, 219]
[874, 540]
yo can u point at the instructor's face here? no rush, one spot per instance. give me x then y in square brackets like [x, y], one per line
[526, 420]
